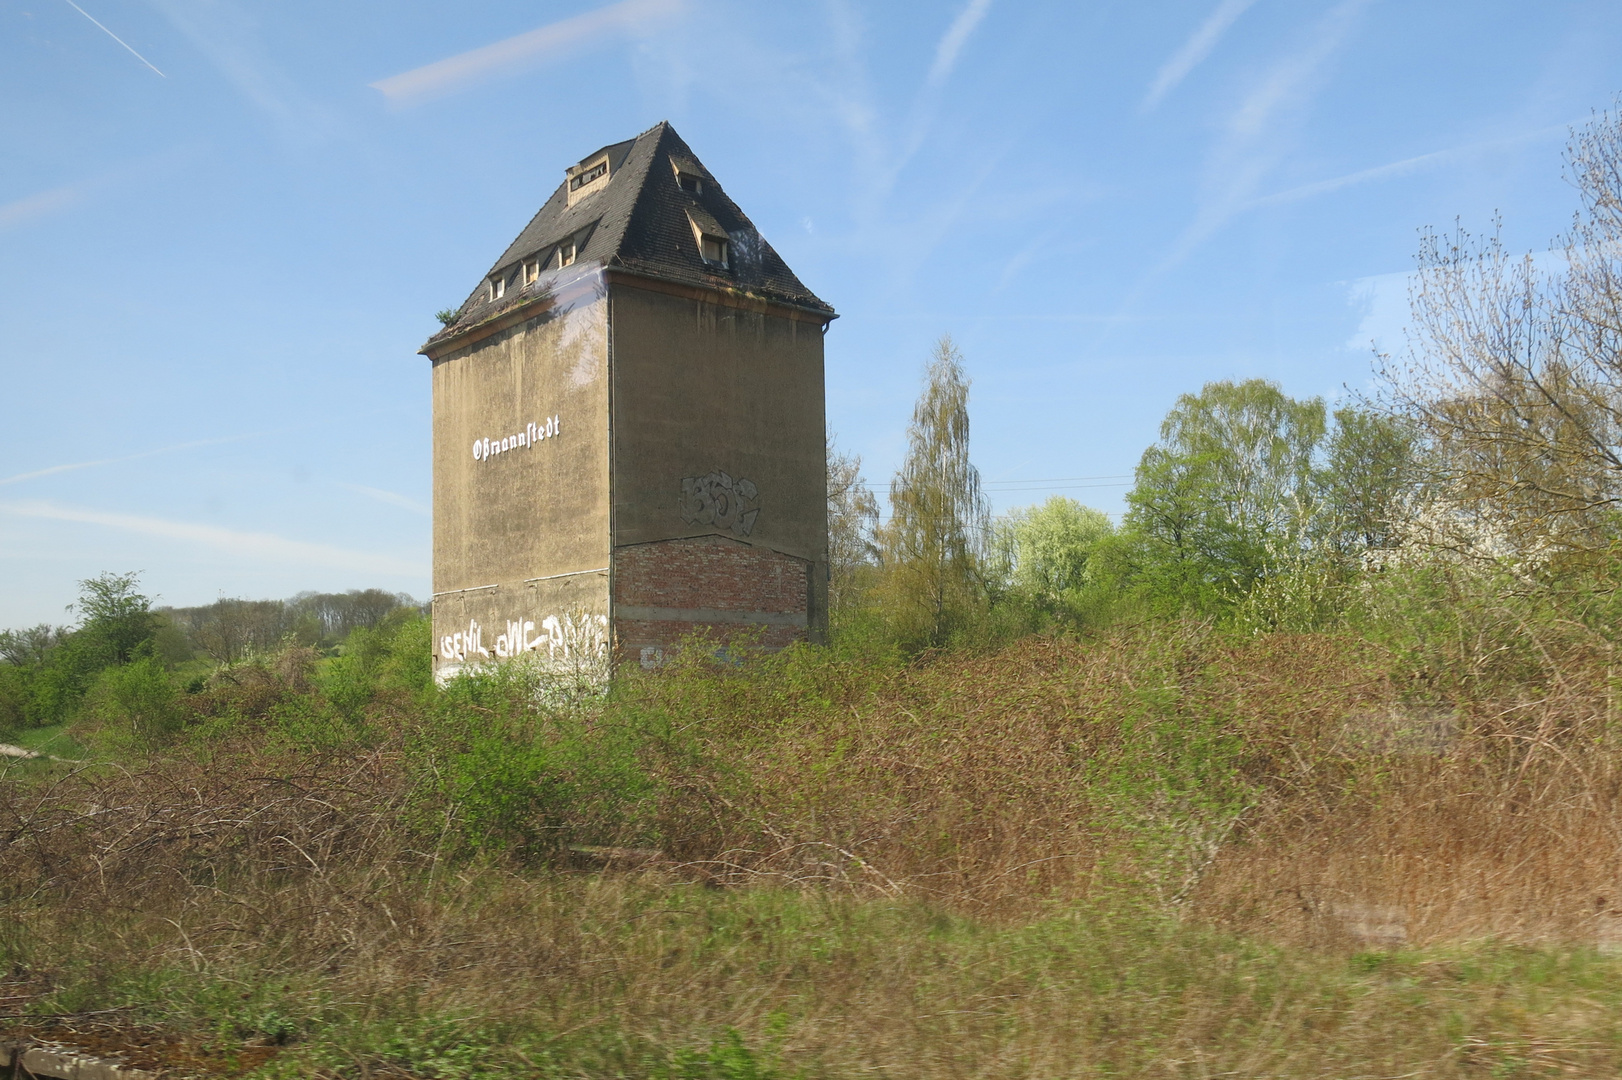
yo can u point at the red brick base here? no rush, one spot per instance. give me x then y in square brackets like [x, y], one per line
[731, 590]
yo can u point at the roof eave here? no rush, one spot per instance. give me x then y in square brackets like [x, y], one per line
[733, 297]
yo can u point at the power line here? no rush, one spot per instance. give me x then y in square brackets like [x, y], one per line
[1062, 479]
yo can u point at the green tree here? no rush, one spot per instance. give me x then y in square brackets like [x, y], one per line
[1225, 492]
[853, 517]
[1046, 551]
[1368, 471]
[29, 648]
[118, 622]
[117, 626]
[934, 541]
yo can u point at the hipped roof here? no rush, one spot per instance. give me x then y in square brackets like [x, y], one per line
[641, 221]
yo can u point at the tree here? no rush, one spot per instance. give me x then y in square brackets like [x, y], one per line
[1047, 550]
[230, 629]
[1360, 491]
[853, 517]
[29, 648]
[339, 613]
[933, 544]
[1513, 375]
[1226, 490]
[117, 620]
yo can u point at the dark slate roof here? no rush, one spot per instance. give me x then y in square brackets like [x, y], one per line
[640, 221]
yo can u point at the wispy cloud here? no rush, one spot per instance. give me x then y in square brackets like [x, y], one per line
[957, 35]
[892, 159]
[225, 34]
[260, 547]
[1417, 163]
[520, 52]
[33, 207]
[52, 470]
[1194, 50]
[115, 37]
[1259, 133]
[388, 497]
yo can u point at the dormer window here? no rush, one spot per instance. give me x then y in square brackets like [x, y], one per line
[689, 175]
[532, 271]
[566, 253]
[580, 180]
[498, 287]
[586, 179]
[714, 245]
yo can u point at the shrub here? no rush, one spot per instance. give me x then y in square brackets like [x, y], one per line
[137, 702]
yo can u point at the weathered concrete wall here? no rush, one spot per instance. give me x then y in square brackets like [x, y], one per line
[521, 522]
[718, 430]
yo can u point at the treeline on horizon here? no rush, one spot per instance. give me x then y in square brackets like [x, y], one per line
[48, 672]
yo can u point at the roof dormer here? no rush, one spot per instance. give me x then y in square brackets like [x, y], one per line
[587, 178]
[714, 243]
[690, 175]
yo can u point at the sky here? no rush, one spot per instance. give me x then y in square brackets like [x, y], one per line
[225, 226]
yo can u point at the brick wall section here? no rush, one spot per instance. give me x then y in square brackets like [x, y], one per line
[707, 573]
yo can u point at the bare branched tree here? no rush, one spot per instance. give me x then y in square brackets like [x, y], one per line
[1513, 373]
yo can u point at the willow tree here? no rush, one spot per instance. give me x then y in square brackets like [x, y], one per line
[933, 544]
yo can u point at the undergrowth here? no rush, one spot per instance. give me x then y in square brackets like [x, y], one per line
[1165, 850]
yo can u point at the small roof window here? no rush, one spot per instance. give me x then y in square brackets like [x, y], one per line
[498, 287]
[714, 244]
[586, 178]
[690, 174]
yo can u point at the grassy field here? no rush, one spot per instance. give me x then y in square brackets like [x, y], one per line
[54, 740]
[1161, 853]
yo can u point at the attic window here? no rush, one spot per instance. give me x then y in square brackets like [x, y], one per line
[498, 288]
[586, 179]
[689, 175]
[566, 253]
[714, 245]
[532, 271]
[580, 180]
[714, 250]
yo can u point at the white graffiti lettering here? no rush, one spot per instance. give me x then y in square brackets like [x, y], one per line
[565, 638]
[486, 448]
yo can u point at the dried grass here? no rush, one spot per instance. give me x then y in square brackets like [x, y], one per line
[1020, 865]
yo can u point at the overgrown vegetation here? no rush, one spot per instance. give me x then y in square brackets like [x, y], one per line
[1310, 767]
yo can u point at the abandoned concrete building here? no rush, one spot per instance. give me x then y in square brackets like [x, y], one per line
[628, 428]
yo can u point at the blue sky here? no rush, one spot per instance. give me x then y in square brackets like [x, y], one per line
[225, 226]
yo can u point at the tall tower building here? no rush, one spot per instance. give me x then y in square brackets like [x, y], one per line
[629, 428]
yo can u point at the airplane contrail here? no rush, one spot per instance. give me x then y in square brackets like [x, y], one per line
[115, 37]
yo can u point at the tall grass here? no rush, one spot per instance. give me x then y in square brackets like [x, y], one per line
[1165, 850]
